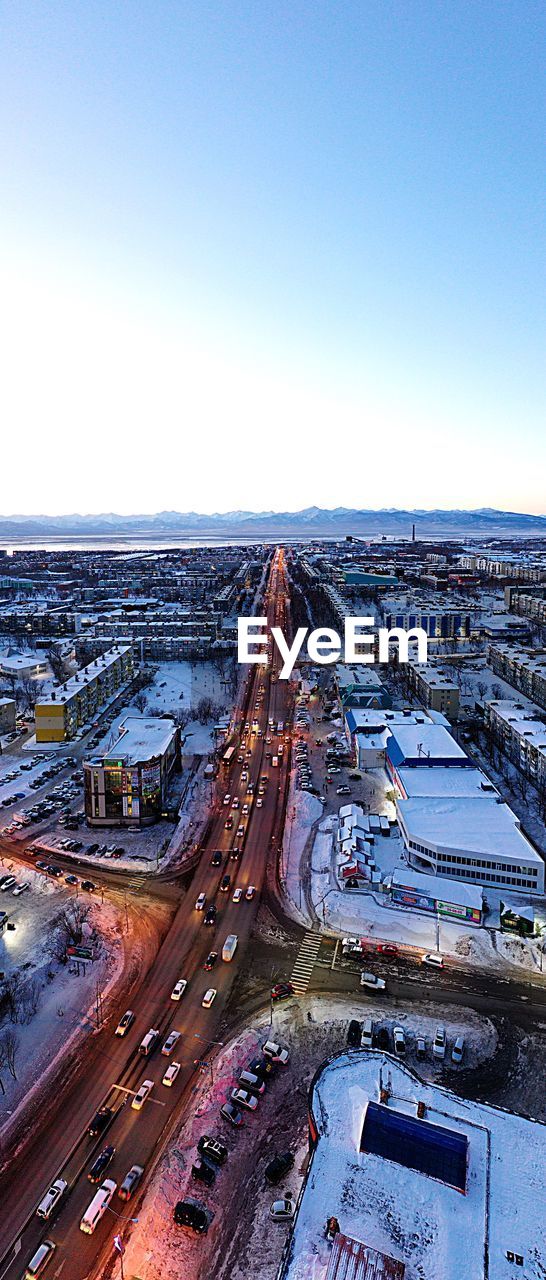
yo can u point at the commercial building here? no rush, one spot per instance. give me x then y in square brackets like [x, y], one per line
[476, 839]
[434, 688]
[525, 669]
[439, 896]
[419, 1183]
[128, 785]
[519, 728]
[23, 666]
[64, 708]
[361, 686]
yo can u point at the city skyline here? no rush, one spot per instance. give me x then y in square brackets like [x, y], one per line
[245, 249]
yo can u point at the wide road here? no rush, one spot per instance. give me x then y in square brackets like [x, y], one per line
[61, 1146]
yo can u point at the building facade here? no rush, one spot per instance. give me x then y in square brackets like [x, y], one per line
[128, 786]
[65, 708]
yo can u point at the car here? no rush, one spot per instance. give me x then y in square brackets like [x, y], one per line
[100, 1121]
[274, 1051]
[213, 1149]
[259, 802]
[88, 886]
[399, 1041]
[171, 1041]
[421, 1048]
[433, 959]
[354, 1034]
[278, 1167]
[263, 1067]
[130, 1181]
[202, 1171]
[282, 991]
[210, 915]
[240, 832]
[254, 1083]
[228, 824]
[124, 1023]
[210, 961]
[225, 884]
[439, 1043]
[386, 949]
[179, 989]
[250, 892]
[10, 882]
[227, 799]
[209, 998]
[244, 811]
[238, 893]
[101, 1163]
[142, 1094]
[216, 860]
[52, 1197]
[191, 1213]
[21, 888]
[282, 1210]
[235, 853]
[457, 1052]
[200, 902]
[70, 879]
[171, 1074]
[40, 1259]
[343, 791]
[372, 981]
[232, 1114]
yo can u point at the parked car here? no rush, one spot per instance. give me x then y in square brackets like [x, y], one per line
[439, 1043]
[190, 1213]
[282, 991]
[354, 1034]
[232, 1114]
[372, 981]
[274, 1051]
[278, 1167]
[457, 1052]
[213, 1149]
[202, 1171]
[243, 1098]
[421, 1048]
[399, 1041]
[282, 1210]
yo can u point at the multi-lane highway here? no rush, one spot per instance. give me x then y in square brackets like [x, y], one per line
[115, 1068]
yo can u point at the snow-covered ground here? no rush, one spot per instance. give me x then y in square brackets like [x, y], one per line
[180, 686]
[242, 1241]
[427, 1224]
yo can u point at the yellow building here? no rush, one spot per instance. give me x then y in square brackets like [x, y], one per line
[65, 708]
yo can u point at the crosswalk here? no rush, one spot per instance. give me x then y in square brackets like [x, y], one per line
[305, 962]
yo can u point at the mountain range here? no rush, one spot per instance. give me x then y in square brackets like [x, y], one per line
[314, 522]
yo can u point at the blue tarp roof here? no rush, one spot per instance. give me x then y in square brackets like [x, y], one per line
[416, 1144]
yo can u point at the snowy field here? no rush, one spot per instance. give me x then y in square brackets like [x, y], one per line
[312, 1028]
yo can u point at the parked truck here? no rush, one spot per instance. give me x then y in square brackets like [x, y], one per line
[372, 981]
[230, 946]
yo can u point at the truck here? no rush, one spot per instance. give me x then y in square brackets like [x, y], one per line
[230, 946]
[372, 981]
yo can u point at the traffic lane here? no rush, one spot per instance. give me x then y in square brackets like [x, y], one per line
[525, 1003]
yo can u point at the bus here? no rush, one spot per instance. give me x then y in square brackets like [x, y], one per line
[228, 757]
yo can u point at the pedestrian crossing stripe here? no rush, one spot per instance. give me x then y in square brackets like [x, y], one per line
[305, 962]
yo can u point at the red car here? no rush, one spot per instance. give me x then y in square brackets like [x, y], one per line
[282, 991]
[387, 949]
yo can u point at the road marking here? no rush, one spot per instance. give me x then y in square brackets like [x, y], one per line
[305, 962]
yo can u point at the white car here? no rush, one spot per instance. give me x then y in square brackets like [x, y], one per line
[179, 989]
[282, 1210]
[250, 892]
[235, 802]
[51, 1198]
[259, 802]
[201, 902]
[439, 1043]
[209, 998]
[242, 1098]
[237, 895]
[227, 799]
[141, 1095]
[433, 959]
[399, 1041]
[21, 888]
[457, 1051]
[170, 1043]
[373, 981]
[124, 1023]
[275, 1053]
[171, 1074]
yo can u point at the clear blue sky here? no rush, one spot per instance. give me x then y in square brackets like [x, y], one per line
[269, 255]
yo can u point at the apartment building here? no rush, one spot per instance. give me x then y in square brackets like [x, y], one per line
[64, 708]
[434, 688]
[519, 728]
[528, 604]
[525, 669]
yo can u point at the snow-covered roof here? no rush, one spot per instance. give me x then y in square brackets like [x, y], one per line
[443, 888]
[141, 738]
[479, 825]
[424, 742]
[425, 1223]
[438, 781]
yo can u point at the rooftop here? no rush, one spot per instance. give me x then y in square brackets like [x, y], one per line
[460, 823]
[140, 738]
[437, 781]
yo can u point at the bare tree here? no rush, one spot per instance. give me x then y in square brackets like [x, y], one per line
[141, 701]
[482, 688]
[10, 1041]
[496, 690]
[30, 1000]
[12, 996]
